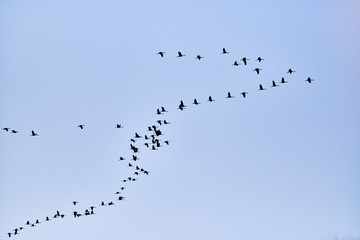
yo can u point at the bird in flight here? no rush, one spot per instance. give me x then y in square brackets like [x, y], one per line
[244, 59]
[257, 70]
[196, 102]
[75, 202]
[81, 126]
[283, 80]
[119, 126]
[236, 63]
[274, 84]
[161, 54]
[260, 59]
[180, 55]
[224, 51]
[290, 71]
[210, 99]
[244, 94]
[6, 129]
[14, 131]
[229, 95]
[309, 80]
[199, 57]
[33, 134]
[261, 87]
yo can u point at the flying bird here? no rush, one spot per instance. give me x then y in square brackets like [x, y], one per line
[199, 57]
[283, 80]
[229, 95]
[81, 126]
[309, 80]
[257, 70]
[260, 59]
[119, 126]
[210, 99]
[14, 131]
[6, 129]
[244, 94]
[161, 54]
[196, 102]
[244, 59]
[75, 202]
[290, 71]
[261, 87]
[180, 55]
[163, 109]
[224, 51]
[236, 63]
[158, 112]
[274, 84]
[33, 134]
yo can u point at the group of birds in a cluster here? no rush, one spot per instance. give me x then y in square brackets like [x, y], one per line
[151, 139]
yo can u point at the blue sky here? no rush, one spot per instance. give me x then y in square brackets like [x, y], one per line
[280, 164]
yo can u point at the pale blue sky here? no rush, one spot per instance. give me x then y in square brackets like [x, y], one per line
[281, 164]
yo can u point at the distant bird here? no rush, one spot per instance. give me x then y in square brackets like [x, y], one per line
[236, 63]
[261, 87]
[224, 51]
[163, 109]
[244, 59]
[290, 71]
[6, 129]
[146, 137]
[146, 172]
[37, 221]
[166, 122]
[62, 215]
[210, 99]
[309, 80]
[158, 112]
[81, 126]
[161, 54]
[122, 188]
[274, 84]
[257, 70]
[9, 234]
[146, 144]
[244, 94]
[130, 165]
[121, 159]
[135, 149]
[137, 135]
[182, 106]
[180, 55]
[110, 203]
[229, 95]
[159, 122]
[121, 198]
[119, 126]
[28, 223]
[14, 131]
[260, 59]
[47, 219]
[196, 102]
[153, 148]
[102, 204]
[75, 202]
[167, 142]
[283, 80]
[132, 140]
[158, 133]
[199, 57]
[135, 157]
[33, 134]
[149, 129]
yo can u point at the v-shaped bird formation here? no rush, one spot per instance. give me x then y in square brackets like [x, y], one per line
[152, 139]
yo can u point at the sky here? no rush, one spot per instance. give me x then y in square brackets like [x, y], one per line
[279, 164]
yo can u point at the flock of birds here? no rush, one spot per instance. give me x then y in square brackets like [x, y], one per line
[151, 139]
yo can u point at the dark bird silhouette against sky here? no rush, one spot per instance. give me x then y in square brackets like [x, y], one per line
[161, 54]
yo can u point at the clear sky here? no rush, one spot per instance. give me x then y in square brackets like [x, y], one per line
[280, 164]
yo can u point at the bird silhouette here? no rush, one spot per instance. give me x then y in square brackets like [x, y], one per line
[290, 71]
[6, 129]
[121, 159]
[244, 94]
[119, 126]
[161, 54]
[224, 51]
[196, 102]
[236, 63]
[274, 84]
[167, 142]
[229, 95]
[283, 80]
[158, 112]
[199, 57]
[257, 70]
[309, 80]
[244, 59]
[14, 131]
[137, 135]
[261, 87]
[33, 134]
[210, 99]
[180, 55]
[75, 202]
[163, 109]
[260, 59]
[166, 122]
[81, 126]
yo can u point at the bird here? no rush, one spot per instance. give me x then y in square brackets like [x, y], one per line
[244, 94]
[14, 131]
[236, 63]
[33, 134]
[283, 80]
[260, 59]
[210, 99]
[163, 109]
[274, 84]
[309, 80]
[37, 221]
[9, 234]
[6, 129]
[167, 142]
[134, 158]
[137, 135]
[47, 219]
[180, 55]
[75, 202]
[290, 71]
[28, 223]
[229, 95]
[146, 144]
[244, 59]
[196, 102]
[161, 54]
[199, 57]
[110, 203]
[224, 51]
[261, 87]
[132, 140]
[130, 165]
[257, 70]
[182, 106]
[159, 122]
[119, 126]
[102, 204]
[121, 159]
[121, 198]
[153, 148]
[81, 126]
[149, 129]
[158, 112]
